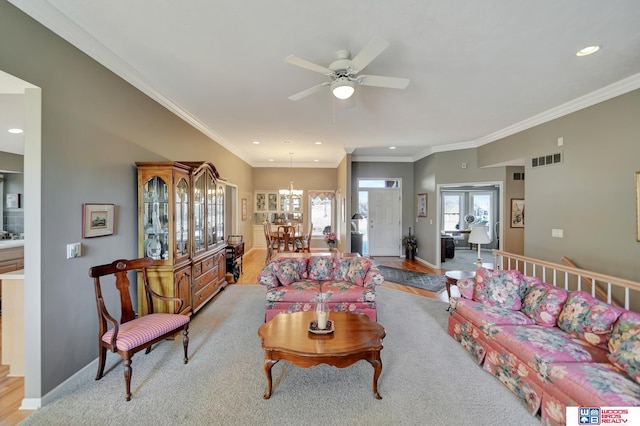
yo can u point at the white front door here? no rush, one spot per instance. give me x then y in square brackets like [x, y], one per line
[384, 222]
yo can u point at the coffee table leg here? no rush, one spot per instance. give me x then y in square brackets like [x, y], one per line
[376, 363]
[268, 363]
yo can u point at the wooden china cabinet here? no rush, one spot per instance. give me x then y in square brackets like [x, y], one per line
[181, 226]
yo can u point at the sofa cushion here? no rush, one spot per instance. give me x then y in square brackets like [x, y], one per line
[539, 346]
[543, 304]
[466, 287]
[587, 318]
[628, 324]
[358, 268]
[299, 291]
[321, 268]
[503, 289]
[343, 291]
[480, 314]
[287, 272]
[627, 357]
[594, 384]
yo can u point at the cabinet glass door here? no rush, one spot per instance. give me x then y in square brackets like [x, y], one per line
[261, 202]
[296, 203]
[182, 218]
[273, 202]
[220, 213]
[285, 203]
[156, 218]
[211, 212]
[199, 213]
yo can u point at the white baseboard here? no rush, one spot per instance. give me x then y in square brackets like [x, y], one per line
[36, 403]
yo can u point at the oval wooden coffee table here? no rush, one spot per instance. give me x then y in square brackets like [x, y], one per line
[355, 337]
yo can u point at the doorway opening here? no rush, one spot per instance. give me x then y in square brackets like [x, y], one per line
[380, 205]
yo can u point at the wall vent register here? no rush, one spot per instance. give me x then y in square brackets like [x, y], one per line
[547, 160]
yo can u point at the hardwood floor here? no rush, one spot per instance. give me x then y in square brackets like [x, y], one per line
[11, 394]
[254, 262]
[12, 388]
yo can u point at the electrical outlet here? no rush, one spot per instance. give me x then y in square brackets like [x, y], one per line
[74, 250]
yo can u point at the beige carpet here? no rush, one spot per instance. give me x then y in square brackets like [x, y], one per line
[427, 378]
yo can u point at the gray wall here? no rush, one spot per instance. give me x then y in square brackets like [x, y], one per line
[445, 168]
[591, 195]
[403, 171]
[94, 127]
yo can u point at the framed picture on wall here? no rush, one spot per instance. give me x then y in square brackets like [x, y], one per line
[422, 205]
[12, 201]
[517, 213]
[97, 220]
[244, 209]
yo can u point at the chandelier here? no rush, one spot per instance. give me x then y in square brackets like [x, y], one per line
[290, 191]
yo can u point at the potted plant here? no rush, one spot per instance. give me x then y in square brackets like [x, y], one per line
[410, 244]
[331, 240]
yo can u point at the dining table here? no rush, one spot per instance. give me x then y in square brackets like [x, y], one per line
[289, 237]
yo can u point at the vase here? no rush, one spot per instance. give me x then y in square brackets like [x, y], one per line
[322, 311]
[331, 245]
[410, 253]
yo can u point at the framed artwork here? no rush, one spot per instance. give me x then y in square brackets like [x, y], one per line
[422, 205]
[637, 206]
[517, 213]
[97, 220]
[12, 201]
[244, 209]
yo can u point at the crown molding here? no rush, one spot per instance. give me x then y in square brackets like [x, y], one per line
[46, 14]
[603, 94]
[370, 159]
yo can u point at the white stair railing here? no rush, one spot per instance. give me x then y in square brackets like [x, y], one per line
[613, 290]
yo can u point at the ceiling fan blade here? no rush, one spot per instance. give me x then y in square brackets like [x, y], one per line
[381, 81]
[375, 47]
[308, 92]
[303, 63]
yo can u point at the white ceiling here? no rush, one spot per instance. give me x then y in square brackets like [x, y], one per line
[479, 70]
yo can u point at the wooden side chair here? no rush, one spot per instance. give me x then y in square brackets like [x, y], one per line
[131, 334]
[305, 243]
[273, 244]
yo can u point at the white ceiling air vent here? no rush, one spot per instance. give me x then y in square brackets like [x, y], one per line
[547, 160]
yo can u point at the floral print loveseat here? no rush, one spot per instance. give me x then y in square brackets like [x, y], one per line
[550, 347]
[294, 283]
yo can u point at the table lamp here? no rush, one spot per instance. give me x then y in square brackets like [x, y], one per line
[479, 236]
[358, 217]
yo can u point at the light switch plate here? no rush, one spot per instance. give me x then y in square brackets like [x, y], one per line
[557, 233]
[74, 250]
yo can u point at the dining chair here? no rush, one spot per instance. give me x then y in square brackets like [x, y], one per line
[273, 244]
[287, 234]
[305, 242]
[131, 334]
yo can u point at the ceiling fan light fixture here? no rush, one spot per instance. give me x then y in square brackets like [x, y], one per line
[343, 88]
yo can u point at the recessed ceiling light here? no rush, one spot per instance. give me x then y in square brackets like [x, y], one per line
[589, 50]
[15, 131]
[256, 142]
[392, 147]
[315, 161]
[271, 160]
[318, 143]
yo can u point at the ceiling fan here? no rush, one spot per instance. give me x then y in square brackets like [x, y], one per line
[343, 73]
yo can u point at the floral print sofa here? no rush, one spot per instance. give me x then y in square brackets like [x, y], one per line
[550, 347]
[294, 283]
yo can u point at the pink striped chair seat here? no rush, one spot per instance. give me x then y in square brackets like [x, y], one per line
[143, 329]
